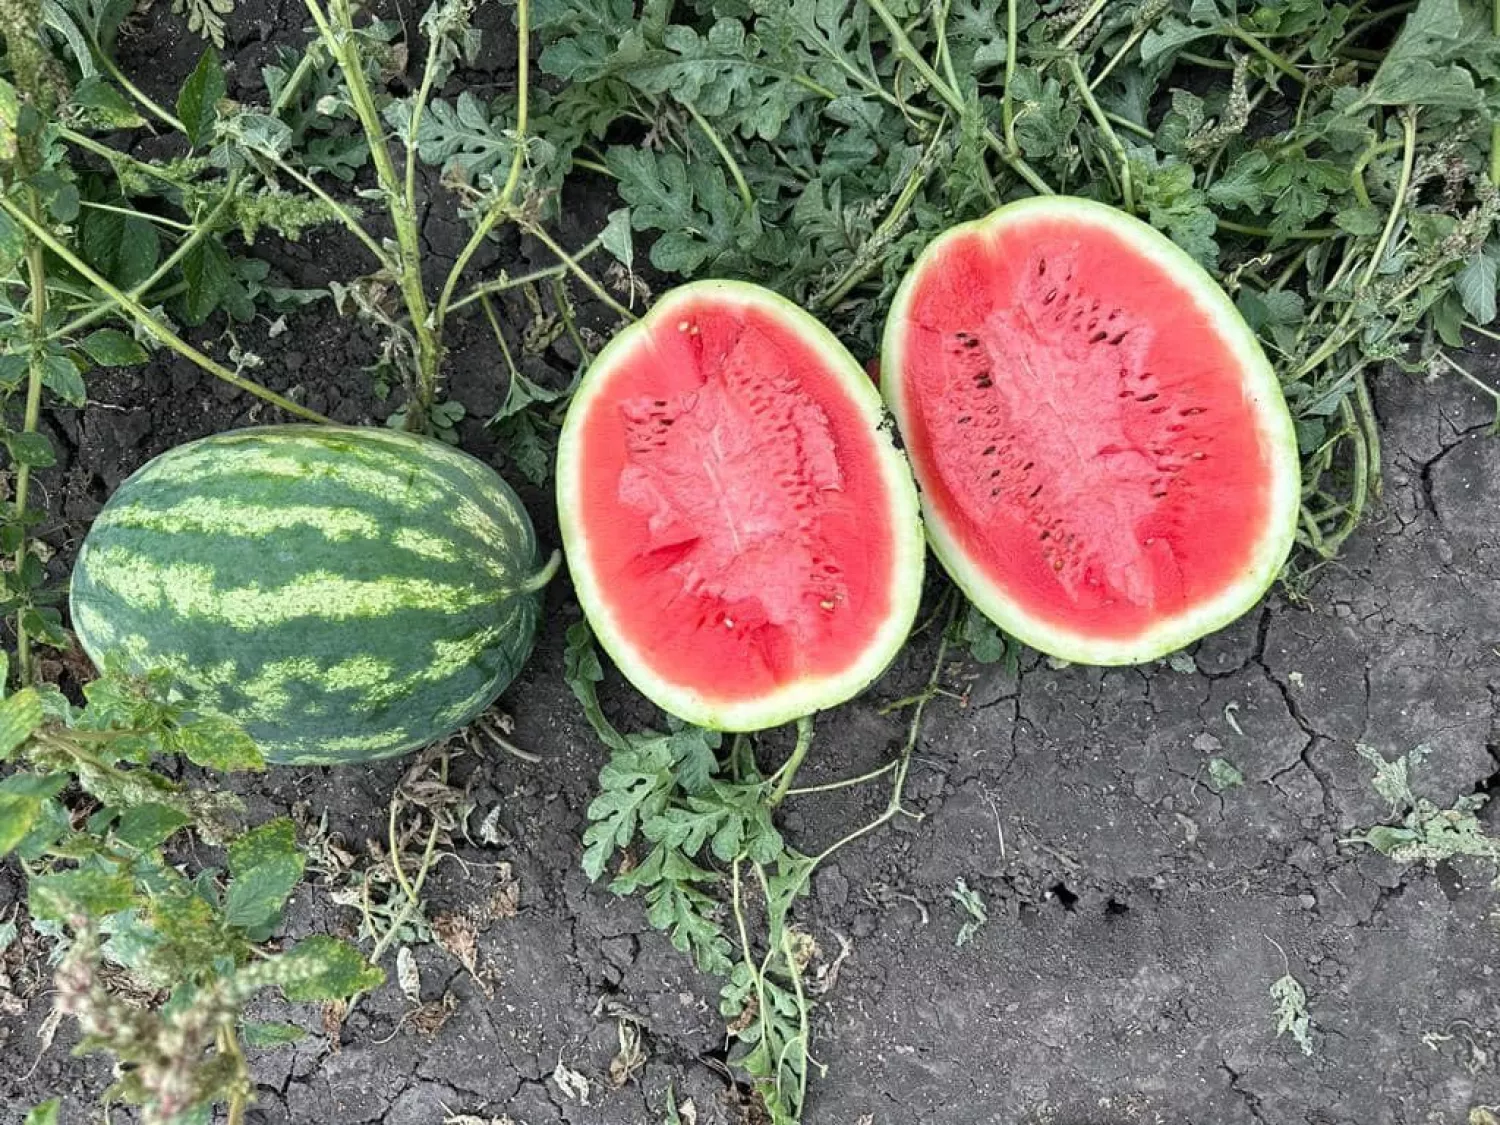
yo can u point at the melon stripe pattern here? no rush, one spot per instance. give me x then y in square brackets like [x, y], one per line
[342, 593]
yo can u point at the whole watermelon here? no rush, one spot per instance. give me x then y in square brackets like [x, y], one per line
[342, 593]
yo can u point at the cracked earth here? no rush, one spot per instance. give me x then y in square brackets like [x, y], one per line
[1137, 915]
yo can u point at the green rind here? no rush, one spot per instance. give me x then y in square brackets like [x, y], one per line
[802, 697]
[1260, 379]
[375, 631]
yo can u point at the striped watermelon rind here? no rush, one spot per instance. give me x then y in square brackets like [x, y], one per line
[343, 593]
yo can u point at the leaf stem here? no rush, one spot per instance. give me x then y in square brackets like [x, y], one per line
[36, 270]
[401, 208]
[147, 320]
[571, 263]
[1126, 187]
[846, 783]
[1081, 24]
[1495, 127]
[201, 230]
[1314, 234]
[789, 771]
[346, 216]
[501, 284]
[1408, 161]
[160, 220]
[1007, 108]
[1258, 46]
[722, 149]
[1357, 170]
[913, 733]
[500, 208]
[903, 47]
[164, 116]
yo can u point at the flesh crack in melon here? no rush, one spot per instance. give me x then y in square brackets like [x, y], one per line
[1107, 464]
[742, 533]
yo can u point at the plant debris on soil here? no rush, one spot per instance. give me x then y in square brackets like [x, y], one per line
[1252, 883]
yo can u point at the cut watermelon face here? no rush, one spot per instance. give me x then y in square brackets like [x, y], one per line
[743, 535]
[1107, 463]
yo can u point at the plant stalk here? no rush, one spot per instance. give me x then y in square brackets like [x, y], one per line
[501, 207]
[147, 320]
[36, 271]
[1495, 128]
[401, 208]
[789, 771]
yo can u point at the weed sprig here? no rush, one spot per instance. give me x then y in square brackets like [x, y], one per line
[158, 958]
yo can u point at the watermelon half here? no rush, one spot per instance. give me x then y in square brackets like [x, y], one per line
[341, 593]
[1107, 464]
[742, 533]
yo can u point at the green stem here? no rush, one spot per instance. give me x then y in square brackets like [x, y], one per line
[940, 33]
[595, 167]
[1472, 378]
[1126, 187]
[789, 771]
[1357, 170]
[159, 220]
[345, 215]
[913, 733]
[1256, 45]
[1205, 61]
[229, 1047]
[411, 890]
[543, 576]
[847, 783]
[726, 156]
[147, 320]
[578, 271]
[167, 118]
[36, 269]
[489, 315]
[501, 206]
[114, 156]
[402, 209]
[1082, 23]
[1007, 109]
[1495, 128]
[903, 47]
[1408, 161]
[865, 264]
[501, 284]
[794, 974]
[1315, 234]
[418, 107]
[1129, 125]
[1359, 487]
[1118, 57]
[201, 230]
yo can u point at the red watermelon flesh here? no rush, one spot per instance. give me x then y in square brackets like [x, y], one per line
[743, 530]
[1099, 440]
